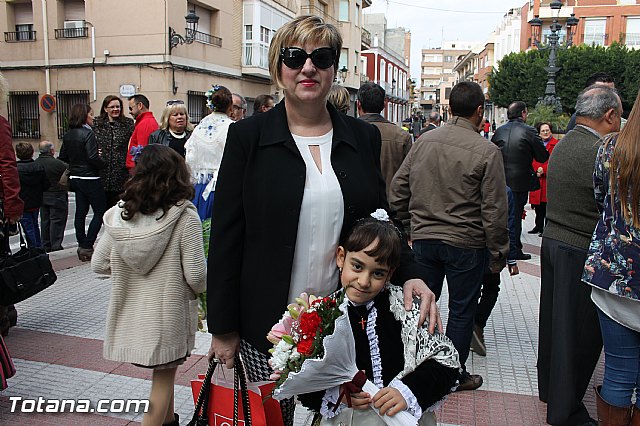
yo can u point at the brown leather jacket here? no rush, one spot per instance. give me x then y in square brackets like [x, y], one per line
[9, 181]
[452, 188]
[396, 144]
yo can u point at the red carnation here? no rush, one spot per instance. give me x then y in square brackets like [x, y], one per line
[309, 323]
[304, 346]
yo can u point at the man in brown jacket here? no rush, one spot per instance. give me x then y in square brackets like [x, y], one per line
[452, 188]
[396, 143]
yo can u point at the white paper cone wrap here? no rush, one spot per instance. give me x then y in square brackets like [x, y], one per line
[336, 367]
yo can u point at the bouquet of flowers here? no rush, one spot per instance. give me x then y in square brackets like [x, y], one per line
[314, 350]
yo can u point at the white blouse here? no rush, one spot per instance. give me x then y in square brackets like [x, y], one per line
[314, 261]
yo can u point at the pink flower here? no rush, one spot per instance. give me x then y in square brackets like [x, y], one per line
[283, 327]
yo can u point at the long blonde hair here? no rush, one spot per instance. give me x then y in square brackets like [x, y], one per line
[625, 167]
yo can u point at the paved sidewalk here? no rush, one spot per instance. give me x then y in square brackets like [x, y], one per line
[57, 349]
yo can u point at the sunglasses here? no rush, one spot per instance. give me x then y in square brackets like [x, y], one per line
[295, 57]
[175, 102]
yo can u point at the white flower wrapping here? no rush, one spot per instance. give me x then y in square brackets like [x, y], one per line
[336, 367]
[381, 215]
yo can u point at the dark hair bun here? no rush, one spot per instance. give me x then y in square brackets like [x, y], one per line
[219, 98]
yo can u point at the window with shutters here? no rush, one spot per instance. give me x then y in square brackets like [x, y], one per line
[24, 115]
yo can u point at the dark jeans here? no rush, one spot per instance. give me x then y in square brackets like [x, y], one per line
[89, 193]
[541, 214]
[519, 200]
[53, 215]
[569, 342]
[29, 221]
[488, 298]
[463, 269]
[621, 362]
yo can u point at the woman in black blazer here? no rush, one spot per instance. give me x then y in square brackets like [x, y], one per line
[260, 203]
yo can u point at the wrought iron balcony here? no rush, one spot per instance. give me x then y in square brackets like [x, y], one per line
[207, 38]
[18, 36]
[80, 32]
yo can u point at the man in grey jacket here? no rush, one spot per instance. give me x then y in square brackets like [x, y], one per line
[396, 143]
[451, 188]
[55, 205]
[570, 342]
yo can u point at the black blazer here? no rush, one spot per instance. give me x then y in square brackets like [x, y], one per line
[256, 210]
[80, 150]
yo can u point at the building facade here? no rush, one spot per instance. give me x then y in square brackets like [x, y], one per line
[81, 51]
[385, 64]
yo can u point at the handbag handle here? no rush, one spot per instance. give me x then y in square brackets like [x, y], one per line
[239, 383]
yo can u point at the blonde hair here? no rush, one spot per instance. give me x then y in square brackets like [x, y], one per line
[625, 167]
[339, 98]
[170, 109]
[300, 31]
[4, 89]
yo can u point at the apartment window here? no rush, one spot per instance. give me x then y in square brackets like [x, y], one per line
[447, 92]
[207, 25]
[383, 66]
[248, 32]
[344, 59]
[356, 18]
[24, 115]
[448, 58]
[264, 34]
[196, 106]
[256, 46]
[632, 37]
[594, 31]
[627, 1]
[343, 13]
[65, 100]
[23, 17]
[432, 58]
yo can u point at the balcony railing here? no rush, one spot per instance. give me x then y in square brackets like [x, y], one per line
[255, 55]
[207, 38]
[597, 39]
[18, 36]
[365, 37]
[631, 39]
[80, 32]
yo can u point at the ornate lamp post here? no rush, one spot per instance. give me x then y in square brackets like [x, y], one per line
[553, 46]
[343, 73]
[192, 26]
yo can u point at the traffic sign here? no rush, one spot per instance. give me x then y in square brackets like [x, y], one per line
[48, 103]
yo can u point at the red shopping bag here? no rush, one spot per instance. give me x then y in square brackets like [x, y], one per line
[265, 411]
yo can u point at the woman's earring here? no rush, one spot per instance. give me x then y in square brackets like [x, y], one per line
[340, 269]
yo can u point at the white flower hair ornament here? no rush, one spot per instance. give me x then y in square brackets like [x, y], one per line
[381, 215]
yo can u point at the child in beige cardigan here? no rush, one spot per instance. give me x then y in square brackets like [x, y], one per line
[153, 249]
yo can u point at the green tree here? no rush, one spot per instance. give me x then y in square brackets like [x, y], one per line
[521, 76]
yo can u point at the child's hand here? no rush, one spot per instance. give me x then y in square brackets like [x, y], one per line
[389, 401]
[513, 270]
[360, 400]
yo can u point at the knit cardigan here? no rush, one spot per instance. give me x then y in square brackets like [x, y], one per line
[157, 267]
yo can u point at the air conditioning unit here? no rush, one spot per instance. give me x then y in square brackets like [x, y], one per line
[74, 29]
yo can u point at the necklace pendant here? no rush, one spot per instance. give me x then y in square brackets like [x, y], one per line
[363, 323]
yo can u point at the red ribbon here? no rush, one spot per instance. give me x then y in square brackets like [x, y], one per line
[353, 386]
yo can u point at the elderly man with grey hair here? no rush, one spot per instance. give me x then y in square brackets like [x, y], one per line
[434, 122]
[55, 206]
[569, 337]
[239, 107]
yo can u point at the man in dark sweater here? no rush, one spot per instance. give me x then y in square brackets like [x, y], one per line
[55, 202]
[569, 337]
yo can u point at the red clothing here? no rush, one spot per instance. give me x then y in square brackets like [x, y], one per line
[9, 180]
[487, 127]
[540, 195]
[145, 125]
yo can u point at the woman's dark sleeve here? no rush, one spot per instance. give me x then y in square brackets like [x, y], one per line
[312, 401]
[91, 147]
[226, 245]
[409, 267]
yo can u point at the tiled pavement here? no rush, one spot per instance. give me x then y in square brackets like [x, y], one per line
[57, 349]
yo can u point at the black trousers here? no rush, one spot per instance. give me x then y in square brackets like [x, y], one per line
[53, 218]
[89, 193]
[520, 200]
[488, 298]
[570, 341]
[541, 214]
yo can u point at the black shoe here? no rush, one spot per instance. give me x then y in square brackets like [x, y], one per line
[469, 382]
[523, 256]
[540, 234]
[533, 231]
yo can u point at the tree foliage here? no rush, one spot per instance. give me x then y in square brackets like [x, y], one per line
[546, 114]
[521, 76]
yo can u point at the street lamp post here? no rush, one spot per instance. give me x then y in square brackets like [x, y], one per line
[190, 35]
[553, 46]
[343, 73]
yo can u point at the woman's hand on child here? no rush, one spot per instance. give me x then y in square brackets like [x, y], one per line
[389, 401]
[360, 400]
[428, 306]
